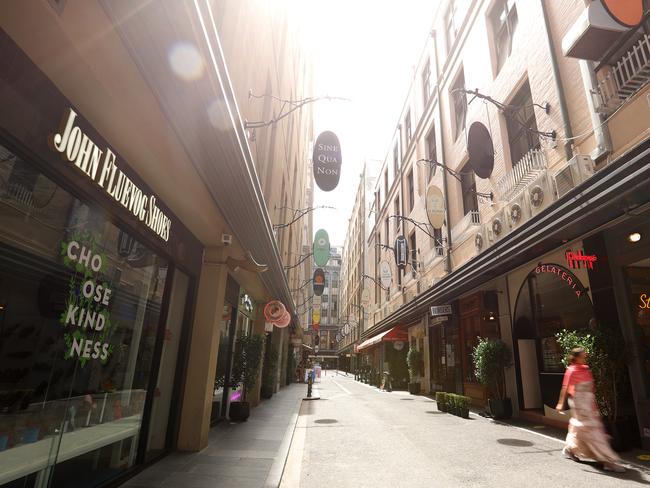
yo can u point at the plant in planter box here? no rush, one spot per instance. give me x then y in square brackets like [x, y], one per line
[491, 357]
[245, 369]
[463, 406]
[441, 401]
[606, 358]
[414, 363]
[269, 373]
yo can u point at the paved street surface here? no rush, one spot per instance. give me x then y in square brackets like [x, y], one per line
[239, 455]
[356, 436]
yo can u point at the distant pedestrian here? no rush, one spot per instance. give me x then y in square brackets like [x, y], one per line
[586, 437]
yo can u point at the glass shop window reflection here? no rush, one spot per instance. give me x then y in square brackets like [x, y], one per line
[79, 314]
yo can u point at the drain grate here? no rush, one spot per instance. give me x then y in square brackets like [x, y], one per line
[325, 421]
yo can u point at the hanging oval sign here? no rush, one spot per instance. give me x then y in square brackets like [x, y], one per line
[316, 301]
[628, 13]
[274, 311]
[319, 282]
[435, 204]
[385, 274]
[401, 251]
[284, 321]
[316, 327]
[365, 298]
[321, 248]
[327, 161]
[480, 150]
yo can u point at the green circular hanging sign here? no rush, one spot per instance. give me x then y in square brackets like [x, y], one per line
[321, 248]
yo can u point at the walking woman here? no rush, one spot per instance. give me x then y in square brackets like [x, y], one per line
[586, 437]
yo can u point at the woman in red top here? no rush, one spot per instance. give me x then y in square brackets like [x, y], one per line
[586, 437]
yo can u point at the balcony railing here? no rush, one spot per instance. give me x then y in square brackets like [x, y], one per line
[462, 228]
[522, 174]
[625, 77]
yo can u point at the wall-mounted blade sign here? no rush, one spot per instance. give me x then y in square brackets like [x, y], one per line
[401, 252]
[321, 248]
[327, 161]
[480, 150]
[319, 282]
[435, 204]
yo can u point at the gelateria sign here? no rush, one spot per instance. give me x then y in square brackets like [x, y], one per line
[565, 275]
[101, 166]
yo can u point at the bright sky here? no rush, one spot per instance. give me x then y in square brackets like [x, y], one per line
[366, 51]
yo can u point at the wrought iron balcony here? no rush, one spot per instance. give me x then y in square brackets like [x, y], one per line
[522, 174]
[622, 79]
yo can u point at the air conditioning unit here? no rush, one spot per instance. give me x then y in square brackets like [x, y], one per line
[518, 211]
[577, 170]
[483, 238]
[498, 225]
[540, 193]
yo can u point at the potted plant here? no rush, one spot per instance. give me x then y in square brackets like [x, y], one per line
[245, 369]
[269, 373]
[606, 357]
[414, 362]
[441, 401]
[491, 357]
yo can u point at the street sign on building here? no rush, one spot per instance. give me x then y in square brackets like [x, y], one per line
[441, 310]
[365, 298]
[318, 281]
[385, 274]
[321, 248]
[435, 205]
[401, 252]
[327, 161]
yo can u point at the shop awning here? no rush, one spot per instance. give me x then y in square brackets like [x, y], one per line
[394, 334]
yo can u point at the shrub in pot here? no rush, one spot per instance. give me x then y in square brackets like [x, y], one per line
[414, 362]
[491, 357]
[269, 373]
[245, 369]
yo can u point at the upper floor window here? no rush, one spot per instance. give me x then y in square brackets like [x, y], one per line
[431, 151]
[396, 159]
[437, 241]
[413, 248]
[458, 103]
[503, 18]
[397, 211]
[411, 190]
[386, 182]
[522, 125]
[387, 230]
[426, 82]
[407, 127]
[450, 25]
[468, 189]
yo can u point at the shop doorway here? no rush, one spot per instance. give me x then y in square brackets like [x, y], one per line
[546, 303]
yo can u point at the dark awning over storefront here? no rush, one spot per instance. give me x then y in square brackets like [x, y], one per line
[394, 334]
[619, 189]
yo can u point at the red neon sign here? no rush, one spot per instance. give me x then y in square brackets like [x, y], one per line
[577, 259]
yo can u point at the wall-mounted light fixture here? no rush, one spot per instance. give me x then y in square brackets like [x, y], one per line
[634, 237]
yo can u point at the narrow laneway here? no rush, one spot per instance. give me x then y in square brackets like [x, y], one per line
[357, 436]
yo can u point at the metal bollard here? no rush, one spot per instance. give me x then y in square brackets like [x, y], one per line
[310, 381]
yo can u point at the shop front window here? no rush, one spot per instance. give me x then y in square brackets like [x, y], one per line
[550, 299]
[638, 279]
[80, 303]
